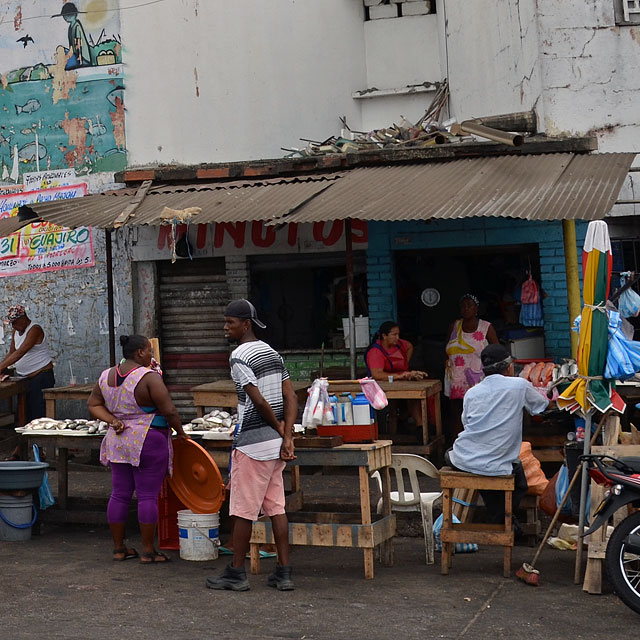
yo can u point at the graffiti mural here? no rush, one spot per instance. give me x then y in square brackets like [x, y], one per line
[61, 87]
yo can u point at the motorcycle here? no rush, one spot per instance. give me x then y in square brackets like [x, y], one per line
[622, 559]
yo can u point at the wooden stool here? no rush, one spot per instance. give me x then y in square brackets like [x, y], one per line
[531, 527]
[481, 533]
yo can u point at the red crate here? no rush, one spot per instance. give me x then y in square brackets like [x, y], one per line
[168, 507]
[351, 433]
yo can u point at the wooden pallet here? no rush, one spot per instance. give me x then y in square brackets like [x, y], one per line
[597, 542]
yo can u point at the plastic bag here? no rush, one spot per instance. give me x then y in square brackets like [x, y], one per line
[536, 479]
[530, 293]
[459, 547]
[317, 410]
[44, 492]
[376, 397]
[629, 301]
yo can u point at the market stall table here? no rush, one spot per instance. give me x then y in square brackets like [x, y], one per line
[339, 529]
[17, 388]
[408, 390]
[75, 392]
[62, 443]
[222, 393]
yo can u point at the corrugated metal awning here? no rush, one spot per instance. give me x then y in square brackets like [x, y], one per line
[220, 202]
[529, 187]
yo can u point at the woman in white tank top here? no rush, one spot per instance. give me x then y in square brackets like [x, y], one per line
[31, 357]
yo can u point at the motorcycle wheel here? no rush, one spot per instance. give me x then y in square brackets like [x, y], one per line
[623, 567]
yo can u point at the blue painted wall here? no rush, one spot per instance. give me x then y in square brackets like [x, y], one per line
[387, 237]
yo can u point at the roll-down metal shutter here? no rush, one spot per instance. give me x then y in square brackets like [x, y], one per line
[192, 298]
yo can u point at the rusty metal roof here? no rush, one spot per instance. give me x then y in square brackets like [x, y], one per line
[530, 187]
[263, 199]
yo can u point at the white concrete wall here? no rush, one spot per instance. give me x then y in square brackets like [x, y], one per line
[590, 73]
[400, 52]
[492, 56]
[221, 81]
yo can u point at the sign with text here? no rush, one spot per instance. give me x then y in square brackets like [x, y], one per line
[43, 246]
[247, 238]
[37, 180]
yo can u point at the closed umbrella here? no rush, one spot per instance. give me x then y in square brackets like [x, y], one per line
[590, 392]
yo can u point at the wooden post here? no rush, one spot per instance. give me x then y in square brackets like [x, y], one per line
[352, 312]
[365, 509]
[110, 304]
[573, 278]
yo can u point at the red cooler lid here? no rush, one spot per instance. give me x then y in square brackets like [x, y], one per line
[196, 479]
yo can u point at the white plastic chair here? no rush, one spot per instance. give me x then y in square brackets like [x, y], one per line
[414, 500]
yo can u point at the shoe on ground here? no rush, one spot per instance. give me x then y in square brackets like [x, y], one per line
[231, 579]
[281, 579]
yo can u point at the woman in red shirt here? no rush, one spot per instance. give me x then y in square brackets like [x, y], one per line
[390, 355]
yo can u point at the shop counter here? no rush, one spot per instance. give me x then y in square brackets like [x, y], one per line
[17, 389]
[75, 392]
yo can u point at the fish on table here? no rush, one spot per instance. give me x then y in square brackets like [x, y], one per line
[28, 107]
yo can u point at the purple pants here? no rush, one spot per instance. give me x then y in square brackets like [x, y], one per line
[145, 479]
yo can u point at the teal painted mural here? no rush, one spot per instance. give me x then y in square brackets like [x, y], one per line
[61, 87]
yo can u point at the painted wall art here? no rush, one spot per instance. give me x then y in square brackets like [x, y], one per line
[61, 87]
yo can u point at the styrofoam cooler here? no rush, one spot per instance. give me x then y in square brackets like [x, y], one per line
[361, 409]
[362, 331]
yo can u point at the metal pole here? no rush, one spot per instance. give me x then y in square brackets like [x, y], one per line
[110, 306]
[352, 319]
[573, 278]
[577, 577]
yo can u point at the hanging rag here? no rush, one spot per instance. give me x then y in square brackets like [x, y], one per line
[629, 301]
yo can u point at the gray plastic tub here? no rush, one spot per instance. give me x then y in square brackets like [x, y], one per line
[21, 474]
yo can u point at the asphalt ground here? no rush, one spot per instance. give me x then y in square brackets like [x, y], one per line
[63, 584]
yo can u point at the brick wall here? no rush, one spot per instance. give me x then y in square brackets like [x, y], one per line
[386, 237]
[237, 268]
[301, 365]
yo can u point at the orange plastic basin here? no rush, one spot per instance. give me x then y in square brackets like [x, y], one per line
[196, 479]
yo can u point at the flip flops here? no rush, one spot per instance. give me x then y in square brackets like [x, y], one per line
[129, 554]
[152, 557]
[223, 551]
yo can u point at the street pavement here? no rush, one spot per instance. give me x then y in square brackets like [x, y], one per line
[63, 584]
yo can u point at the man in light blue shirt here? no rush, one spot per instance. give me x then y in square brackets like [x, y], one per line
[492, 419]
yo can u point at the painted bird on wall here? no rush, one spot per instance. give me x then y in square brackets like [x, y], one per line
[25, 40]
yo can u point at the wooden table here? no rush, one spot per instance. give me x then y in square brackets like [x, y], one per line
[222, 393]
[76, 392]
[339, 529]
[17, 388]
[408, 390]
[63, 444]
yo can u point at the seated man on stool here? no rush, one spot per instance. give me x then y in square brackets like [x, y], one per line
[490, 443]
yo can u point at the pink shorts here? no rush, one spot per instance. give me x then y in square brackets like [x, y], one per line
[256, 486]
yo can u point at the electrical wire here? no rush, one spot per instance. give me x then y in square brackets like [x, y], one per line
[133, 6]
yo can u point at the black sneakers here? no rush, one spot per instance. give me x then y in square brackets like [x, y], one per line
[231, 578]
[281, 579]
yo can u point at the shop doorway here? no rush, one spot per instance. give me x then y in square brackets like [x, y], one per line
[493, 274]
[303, 298]
[192, 295]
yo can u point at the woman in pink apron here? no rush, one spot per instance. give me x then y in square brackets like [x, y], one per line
[135, 403]
[468, 336]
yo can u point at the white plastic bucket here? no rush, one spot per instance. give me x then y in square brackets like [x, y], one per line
[17, 516]
[198, 535]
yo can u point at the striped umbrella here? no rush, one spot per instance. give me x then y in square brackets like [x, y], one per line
[590, 391]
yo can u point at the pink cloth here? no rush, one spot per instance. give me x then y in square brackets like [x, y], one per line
[256, 486]
[121, 402]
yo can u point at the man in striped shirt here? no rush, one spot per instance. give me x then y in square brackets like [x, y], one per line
[267, 409]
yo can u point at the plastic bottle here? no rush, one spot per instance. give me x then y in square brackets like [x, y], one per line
[333, 403]
[361, 410]
[345, 409]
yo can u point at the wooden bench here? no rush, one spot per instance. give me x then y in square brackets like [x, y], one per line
[481, 533]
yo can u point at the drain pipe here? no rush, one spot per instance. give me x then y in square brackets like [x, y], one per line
[473, 127]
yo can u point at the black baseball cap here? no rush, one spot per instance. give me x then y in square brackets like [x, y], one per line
[493, 354]
[243, 309]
